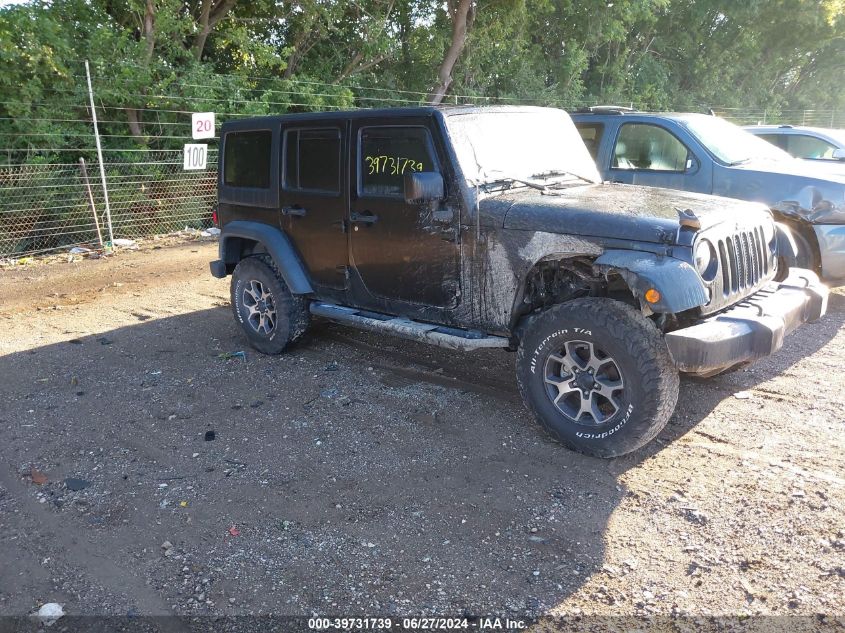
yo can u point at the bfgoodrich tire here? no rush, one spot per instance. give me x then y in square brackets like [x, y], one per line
[597, 375]
[269, 314]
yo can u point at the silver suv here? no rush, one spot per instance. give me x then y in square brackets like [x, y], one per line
[809, 143]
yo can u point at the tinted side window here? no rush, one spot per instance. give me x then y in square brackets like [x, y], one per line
[804, 146]
[591, 134]
[247, 159]
[312, 160]
[386, 154]
[641, 146]
[778, 140]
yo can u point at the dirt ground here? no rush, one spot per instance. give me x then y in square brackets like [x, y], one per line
[364, 475]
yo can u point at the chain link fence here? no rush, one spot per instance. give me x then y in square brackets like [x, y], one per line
[47, 207]
[812, 118]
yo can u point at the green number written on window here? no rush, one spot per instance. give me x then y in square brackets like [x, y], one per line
[393, 165]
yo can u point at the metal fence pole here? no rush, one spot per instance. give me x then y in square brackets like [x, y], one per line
[84, 171]
[100, 156]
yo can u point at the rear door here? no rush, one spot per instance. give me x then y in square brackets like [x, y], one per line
[313, 198]
[401, 251]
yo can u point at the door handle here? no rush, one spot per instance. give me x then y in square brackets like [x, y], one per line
[363, 218]
[295, 210]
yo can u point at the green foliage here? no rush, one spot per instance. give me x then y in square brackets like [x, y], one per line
[151, 65]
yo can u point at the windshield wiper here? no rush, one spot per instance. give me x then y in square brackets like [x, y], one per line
[561, 172]
[512, 179]
[741, 161]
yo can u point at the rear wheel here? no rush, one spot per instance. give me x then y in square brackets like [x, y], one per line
[597, 375]
[269, 314]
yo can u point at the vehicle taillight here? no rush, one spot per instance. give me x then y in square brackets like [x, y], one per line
[214, 216]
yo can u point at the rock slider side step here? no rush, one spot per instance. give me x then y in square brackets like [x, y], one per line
[450, 337]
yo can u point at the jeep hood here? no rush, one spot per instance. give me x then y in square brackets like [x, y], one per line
[628, 212]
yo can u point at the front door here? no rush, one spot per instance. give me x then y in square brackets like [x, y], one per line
[647, 154]
[313, 199]
[401, 251]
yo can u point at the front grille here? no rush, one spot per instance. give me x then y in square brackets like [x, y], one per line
[745, 264]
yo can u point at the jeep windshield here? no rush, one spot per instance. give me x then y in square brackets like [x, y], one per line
[538, 148]
[729, 143]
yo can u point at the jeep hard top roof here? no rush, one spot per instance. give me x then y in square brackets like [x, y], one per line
[387, 113]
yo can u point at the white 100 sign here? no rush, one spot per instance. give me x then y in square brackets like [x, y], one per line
[195, 155]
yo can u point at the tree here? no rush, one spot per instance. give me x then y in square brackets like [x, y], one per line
[462, 14]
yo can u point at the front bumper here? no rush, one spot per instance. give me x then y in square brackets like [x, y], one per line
[751, 329]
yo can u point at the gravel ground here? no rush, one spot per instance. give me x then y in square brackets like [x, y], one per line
[363, 475]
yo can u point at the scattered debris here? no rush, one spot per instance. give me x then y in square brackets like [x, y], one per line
[38, 478]
[234, 531]
[124, 243]
[212, 232]
[49, 613]
[746, 587]
[694, 515]
[210, 435]
[228, 355]
[71, 483]
[743, 395]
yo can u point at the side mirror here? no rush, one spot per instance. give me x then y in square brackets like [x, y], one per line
[423, 186]
[691, 164]
[839, 154]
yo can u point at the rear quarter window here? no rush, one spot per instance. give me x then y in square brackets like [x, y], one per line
[591, 134]
[246, 159]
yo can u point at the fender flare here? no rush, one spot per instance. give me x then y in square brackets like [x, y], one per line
[276, 243]
[679, 284]
[787, 248]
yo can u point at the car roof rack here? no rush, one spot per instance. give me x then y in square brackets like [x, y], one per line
[605, 109]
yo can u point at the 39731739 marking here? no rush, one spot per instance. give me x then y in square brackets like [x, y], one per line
[350, 624]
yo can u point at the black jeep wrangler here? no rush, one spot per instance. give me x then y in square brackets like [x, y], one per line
[473, 227]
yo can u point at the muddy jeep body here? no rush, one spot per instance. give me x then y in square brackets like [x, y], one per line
[413, 222]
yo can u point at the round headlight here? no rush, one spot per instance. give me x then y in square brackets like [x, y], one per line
[705, 260]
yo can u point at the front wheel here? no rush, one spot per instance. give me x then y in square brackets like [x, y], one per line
[597, 375]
